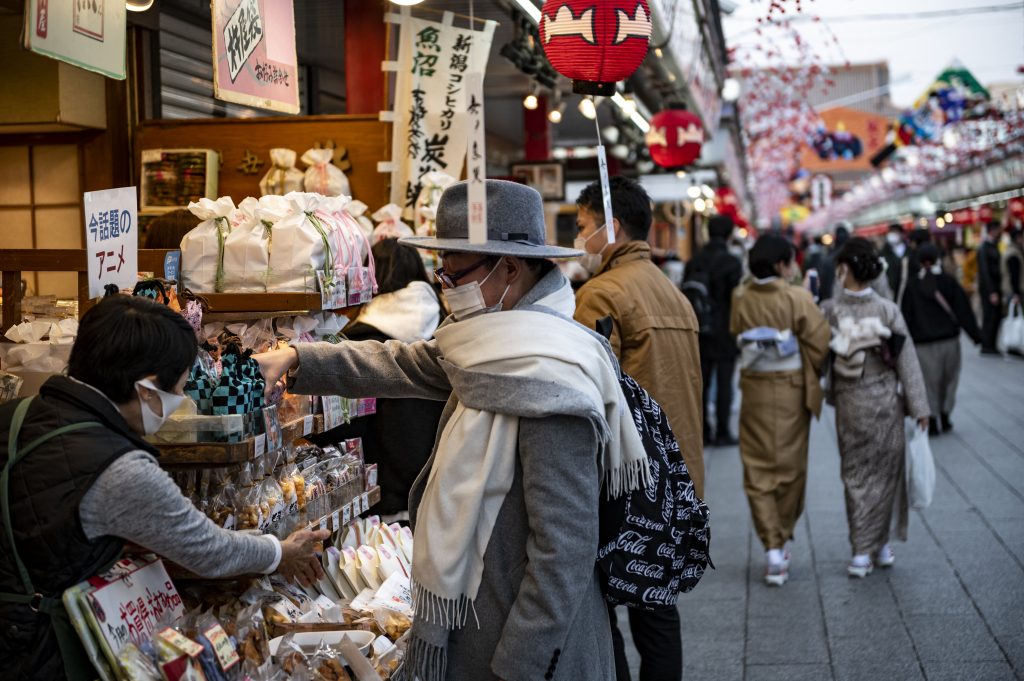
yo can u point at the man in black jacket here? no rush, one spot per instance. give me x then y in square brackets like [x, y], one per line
[893, 252]
[720, 272]
[990, 288]
[937, 309]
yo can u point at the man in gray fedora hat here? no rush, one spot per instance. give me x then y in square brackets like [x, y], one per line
[505, 512]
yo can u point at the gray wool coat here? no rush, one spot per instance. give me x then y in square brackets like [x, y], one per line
[540, 610]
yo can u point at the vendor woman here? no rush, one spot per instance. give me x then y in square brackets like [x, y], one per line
[79, 481]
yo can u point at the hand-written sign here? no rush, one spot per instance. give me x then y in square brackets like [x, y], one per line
[242, 34]
[130, 600]
[431, 125]
[111, 238]
[90, 35]
[476, 160]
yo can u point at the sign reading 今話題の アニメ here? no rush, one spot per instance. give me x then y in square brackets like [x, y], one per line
[254, 58]
[111, 238]
[90, 35]
[431, 112]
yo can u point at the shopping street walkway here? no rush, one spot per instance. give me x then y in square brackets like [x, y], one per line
[951, 609]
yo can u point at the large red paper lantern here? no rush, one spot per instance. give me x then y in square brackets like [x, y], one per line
[675, 138]
[596, 43]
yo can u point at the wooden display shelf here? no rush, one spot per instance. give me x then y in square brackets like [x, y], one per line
[227, 453]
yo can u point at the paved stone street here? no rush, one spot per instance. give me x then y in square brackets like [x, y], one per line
[951, 608]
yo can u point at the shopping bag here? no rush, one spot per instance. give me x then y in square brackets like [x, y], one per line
[920, 469]
[1011, 332]
[246, 250]
[202, 249]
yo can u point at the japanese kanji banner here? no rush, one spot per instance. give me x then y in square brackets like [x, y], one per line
[431, 125]
[111, 238]
[90, 35]
[254, 57]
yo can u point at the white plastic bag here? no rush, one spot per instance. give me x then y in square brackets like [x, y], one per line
[283, 177]
[1011, 332]
[246, 250]
[920, 470]
[301, 246]
[202, 249]
[321, 176]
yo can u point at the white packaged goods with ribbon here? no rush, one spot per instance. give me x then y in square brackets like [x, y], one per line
[389, 224]
[357, 209]
[434, 184]
[202, 249]
[283, 177]
[247, 250]
[301, 246]
[322, 176]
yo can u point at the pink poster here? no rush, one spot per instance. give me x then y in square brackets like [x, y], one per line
[254, 58]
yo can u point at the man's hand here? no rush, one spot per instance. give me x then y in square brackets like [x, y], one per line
[275, 365]
[299, 558]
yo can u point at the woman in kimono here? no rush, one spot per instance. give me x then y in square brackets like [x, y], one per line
[873, 359]
[783, 340]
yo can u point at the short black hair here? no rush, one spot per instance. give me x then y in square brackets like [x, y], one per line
[993, 227]
[768, 251]
[720, 227]
[169, 229]
[928, 254]
[896, 227]
[126, 338]
[842, 233]
[397, 266]
[920, 236]
[862, 258]
[630, 205]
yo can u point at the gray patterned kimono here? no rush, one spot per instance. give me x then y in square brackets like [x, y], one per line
[869, 422]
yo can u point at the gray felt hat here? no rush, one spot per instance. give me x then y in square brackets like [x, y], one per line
[515, 223]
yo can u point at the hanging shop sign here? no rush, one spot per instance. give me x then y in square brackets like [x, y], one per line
[476, 160]
[431, 113]
[111, 238]
[254, 58]
[90, 35]
[596, 43]
[675, 138]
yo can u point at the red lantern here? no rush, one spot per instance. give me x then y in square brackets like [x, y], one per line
[675, 138]
[596, 43]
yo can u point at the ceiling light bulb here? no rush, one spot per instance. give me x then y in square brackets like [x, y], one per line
[530, 101]
[693, 192]
[628, 106]
[707, 191]
[731, 90]
[948, 217]
[555, 115]
[407, 3]
[680, 174]
[587, 108]
[698, 205]
[940, 223]
[137, 5]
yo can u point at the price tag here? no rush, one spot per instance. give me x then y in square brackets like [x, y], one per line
[307, 425]
[365, 500]
[323, 523]
[346, 514]
[261, 445]
[178, 641]
[222, 647]
[336, 520]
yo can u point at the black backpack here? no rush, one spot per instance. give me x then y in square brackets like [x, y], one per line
[654, 542]
[697, 291]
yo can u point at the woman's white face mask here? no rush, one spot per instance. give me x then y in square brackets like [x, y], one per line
[468, 300]
[169, 403]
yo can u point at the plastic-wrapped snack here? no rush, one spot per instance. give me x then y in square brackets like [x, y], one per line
[221, 507]
[328, 667]
[316, 492]
[136, 665]
[292, 659]
[220, 658]
[271, 503]
[251, 634]
[293, 485]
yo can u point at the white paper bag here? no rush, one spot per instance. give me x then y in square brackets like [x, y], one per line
[301, 246]
[202, 249]
[283, 177]
[1011, 332]
[246, 250]
[389, 224]
[322, 176]
[920, 470]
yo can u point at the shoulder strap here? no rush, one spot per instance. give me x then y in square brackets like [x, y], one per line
[13, 457]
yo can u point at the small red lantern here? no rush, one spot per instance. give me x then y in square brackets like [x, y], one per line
[675, 138]
[596, 43]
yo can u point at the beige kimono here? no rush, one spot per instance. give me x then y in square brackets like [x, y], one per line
[776, 411]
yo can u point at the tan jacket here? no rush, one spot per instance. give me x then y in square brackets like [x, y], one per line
[654, 335]
[783, 306]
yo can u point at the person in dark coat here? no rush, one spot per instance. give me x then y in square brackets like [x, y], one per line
[720, 272]
[893, 252]
[990, 287]
[937, 310]
[827, 275]
[400, 436]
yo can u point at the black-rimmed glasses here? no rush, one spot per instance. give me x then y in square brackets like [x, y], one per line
[451, 280]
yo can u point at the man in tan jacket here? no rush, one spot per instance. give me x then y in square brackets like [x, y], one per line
[655, 337]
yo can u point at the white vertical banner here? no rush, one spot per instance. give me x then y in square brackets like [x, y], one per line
[476, 160]
[431, 123]
[606, 192]
[112, 238]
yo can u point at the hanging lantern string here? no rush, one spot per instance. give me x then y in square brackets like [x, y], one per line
[597, 124]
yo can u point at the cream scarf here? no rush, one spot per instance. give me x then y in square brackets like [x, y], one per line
[474, 464]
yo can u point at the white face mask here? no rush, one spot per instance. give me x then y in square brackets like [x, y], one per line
[893, 238]
[936, 269]
[169, 403]
[468, 300]
[591, 262]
